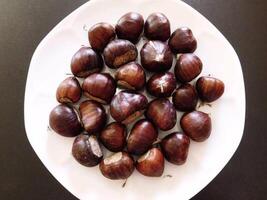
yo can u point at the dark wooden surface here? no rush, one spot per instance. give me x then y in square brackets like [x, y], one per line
[23, 23]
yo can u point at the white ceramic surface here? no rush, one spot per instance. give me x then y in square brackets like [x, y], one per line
[51, 62]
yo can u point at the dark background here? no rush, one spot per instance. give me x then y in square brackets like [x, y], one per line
[23, 23]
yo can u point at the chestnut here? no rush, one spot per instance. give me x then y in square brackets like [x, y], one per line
[162, 113]
[161, 85]
[93, 116]
[197, 125]
[100, 87]
[113, 137]
[130, 27]
[175, 147]
[151, 164]
[156, 56]
[142, 136]
[157, 27]
[118, 166]
[185, 98]
[209, 89]
[119, 52]
[85, 62]
[188, 67]
[127, 106]
[131, 76]
[86, 150]
[100, 35]
[64, 120]
[182, 40]
[69, 91]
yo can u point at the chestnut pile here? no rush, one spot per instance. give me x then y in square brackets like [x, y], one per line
[140, 147]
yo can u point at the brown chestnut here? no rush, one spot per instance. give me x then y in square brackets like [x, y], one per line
[93, 116]
[130, 27]
[118, 166]
[151, 164]
[119, 52]
[142, 136]
[209, 89]
[157, 27]
[131, 76]
[182, 40]
[100, 87]
[113, 137]
[161, 85]
[156, 56]
[86, 150]
[127, 106]
[64, 120]
[197, 125]
[162, 113]
[69, 91]
[100, 35]
[188, 67]
[85, 62]
[185, 98]
[175, 147]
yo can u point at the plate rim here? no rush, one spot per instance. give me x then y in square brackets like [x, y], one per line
[80, 9]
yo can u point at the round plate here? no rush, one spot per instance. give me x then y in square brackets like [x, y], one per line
[51, 62]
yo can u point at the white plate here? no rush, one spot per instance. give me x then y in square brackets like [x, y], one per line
[51, 62]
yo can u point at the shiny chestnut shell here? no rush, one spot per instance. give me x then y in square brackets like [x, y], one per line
[130, 27]
[185, 98]
[182, 40]
[69, 91]
[156, 56]
[119, 52]
[175, 147]
[131, 76]
[161, 85]
[93, 116]
[157, 27]
[162, 113]
[127, 106]
[141, 138]
[113, 136]
[86, 150]
[100, 35]
[64, 120]
[85, 62]
[209, 89]
[100, 87]
[188, 67]
[118, 166]
[197, 125]
[151, 163]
